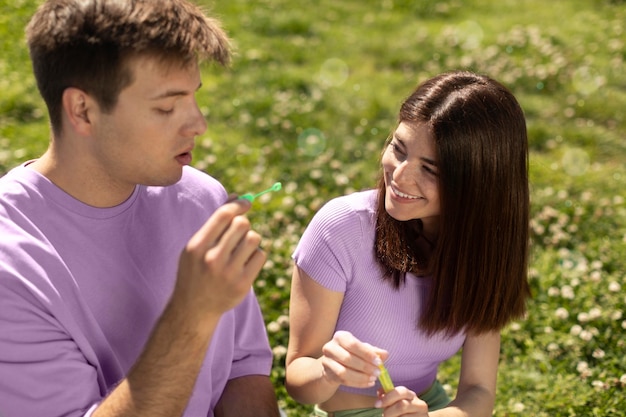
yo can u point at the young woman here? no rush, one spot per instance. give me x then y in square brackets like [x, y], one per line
[432, 261]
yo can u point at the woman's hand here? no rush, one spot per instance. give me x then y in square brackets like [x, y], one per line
[348, 361]
[401, 401]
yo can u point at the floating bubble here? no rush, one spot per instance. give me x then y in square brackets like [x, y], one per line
[334, 72]
[312, 141]
[586, 80]
[469, 34]
[575, 161]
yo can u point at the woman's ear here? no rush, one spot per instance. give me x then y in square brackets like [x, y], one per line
[77, 107]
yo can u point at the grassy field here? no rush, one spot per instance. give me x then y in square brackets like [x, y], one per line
[314, 90]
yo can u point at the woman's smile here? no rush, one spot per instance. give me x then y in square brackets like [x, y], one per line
[400, 194]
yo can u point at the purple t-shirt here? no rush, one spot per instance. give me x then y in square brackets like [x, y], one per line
[82, 287]
[337, 251]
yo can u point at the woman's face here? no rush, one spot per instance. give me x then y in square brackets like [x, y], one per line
[411, 177]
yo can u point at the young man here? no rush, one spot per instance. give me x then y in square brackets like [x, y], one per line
[125, 275]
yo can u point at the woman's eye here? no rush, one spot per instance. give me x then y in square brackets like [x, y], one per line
[430, 170]
[165, 111]
[396, 148]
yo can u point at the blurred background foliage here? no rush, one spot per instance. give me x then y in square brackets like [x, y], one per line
[314, 90]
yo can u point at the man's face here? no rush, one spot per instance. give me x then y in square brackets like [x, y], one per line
[148, 136]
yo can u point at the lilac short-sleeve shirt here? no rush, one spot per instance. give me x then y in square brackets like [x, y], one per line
[82, 287]
[337, 251]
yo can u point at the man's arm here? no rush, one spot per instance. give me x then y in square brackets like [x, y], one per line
[216, 271]
[248, 396]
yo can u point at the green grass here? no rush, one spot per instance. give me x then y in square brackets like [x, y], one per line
[313, 92]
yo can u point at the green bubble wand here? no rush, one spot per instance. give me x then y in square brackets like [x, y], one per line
[250, 197]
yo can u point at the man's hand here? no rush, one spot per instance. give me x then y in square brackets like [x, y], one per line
[220, 263]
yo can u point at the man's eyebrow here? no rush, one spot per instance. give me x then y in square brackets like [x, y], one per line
[173, 93]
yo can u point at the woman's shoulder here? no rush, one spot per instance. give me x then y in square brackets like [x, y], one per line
[350, 215]
[358, 202]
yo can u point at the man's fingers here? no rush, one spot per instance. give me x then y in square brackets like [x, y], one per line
[212, 230]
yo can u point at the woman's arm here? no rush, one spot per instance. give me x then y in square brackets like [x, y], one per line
[318, 362]
[477, 383]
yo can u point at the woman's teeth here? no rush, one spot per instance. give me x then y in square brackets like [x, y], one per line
[401, 194]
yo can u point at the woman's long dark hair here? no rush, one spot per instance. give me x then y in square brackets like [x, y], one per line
[479, 262]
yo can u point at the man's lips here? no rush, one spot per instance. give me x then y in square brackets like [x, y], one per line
[184, 158]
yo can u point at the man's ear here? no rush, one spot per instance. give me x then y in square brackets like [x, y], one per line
[78, 107]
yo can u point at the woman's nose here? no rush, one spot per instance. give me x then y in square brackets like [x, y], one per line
[403, 172]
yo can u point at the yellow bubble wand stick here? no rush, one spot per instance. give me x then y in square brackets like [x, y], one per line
[384, 378]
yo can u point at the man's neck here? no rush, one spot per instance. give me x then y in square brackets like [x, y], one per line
[77, 179]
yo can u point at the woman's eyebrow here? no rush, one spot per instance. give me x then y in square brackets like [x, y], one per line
[429, 161]
[399, 140]
[422, 158]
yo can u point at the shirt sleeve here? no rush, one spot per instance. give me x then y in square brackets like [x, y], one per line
[327, 247]
[252, 355]
[42, 370]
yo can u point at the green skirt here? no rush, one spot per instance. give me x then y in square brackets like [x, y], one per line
[435, 397]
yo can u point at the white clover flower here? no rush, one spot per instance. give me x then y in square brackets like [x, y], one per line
[598, 354]
[539, 228]
[518, 407]
[582, 366]
[341, 179]
[561, 313]
[279, 351]
[622, 379]
[595, 276]
[586, 335]
[283, 321]
[595, 313]
[553, 347]
[616, 315]
[562, 194]
[567, 292]
[288, 201]
[281, 282]
[599, 385]
[575, 330]
[273, 327]
[515, 326]
[583, 317]
[301, 211]
[614, 286]
[316, 174]
[548, 330]
[554, 292]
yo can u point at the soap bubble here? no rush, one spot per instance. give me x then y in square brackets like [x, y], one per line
[469, 34]
[575, 161]
[312, 141]
[334, 72]
[586, 80]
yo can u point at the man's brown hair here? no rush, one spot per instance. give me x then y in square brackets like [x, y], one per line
[87, 44]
